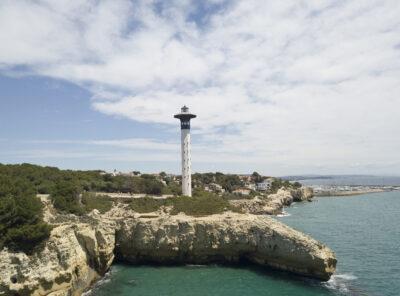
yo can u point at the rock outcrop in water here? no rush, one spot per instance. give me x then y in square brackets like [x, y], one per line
[81, 250]
[223, 238]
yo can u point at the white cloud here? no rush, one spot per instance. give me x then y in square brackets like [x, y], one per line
[272, 82]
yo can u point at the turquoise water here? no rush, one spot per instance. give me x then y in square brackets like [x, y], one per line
[363, 231]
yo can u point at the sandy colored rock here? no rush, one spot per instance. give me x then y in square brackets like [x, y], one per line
[74, 257]
[223, 238]
[81, 249]
[273, 204]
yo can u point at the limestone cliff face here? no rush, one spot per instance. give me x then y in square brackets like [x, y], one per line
[81, 250]
[274, 203]
[74, 257]
[223, 238]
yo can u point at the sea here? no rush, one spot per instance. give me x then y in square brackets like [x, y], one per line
[363, 231]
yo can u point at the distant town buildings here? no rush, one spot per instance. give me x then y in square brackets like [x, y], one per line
[264, 185]
[214, 187]
[242, 191]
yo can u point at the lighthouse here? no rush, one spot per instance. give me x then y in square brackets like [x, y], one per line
[184, 116]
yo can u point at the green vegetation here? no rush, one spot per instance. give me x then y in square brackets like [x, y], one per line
[296, 185]
[65, 186]
[256, 177]
[91, 201]
[21, 222]
[278, 183]
[66, 197]
[227, 181]
[201, 204]
[146, 204]
[21, 212]
[45, 179]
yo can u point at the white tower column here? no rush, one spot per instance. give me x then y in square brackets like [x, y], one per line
[186, 163]
[185, 117]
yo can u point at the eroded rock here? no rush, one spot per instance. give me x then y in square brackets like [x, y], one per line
[73, 258]
[223, 238]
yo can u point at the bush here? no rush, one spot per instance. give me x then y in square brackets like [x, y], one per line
[21, 216]
[296, 185]
[153, 187]
[201, 204]
[146, 204]
[91, 201]
[27, 237]
[173, 188]
[65, 197]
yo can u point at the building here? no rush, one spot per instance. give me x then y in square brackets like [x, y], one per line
[264, 185]
[242, 191]
[214, 187]
[250, 186]
[185, 117]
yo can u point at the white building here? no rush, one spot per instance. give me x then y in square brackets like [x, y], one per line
[264, 185]
[242, 191]
[185, 117]
[250, 186]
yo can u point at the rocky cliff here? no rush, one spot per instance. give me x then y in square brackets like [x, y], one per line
[81, 250]
[223, 238]
[274, 203]
[73, 258]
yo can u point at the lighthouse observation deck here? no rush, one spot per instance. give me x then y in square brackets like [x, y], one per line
[185, 117]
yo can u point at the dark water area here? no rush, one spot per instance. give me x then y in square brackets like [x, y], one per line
[363, 230]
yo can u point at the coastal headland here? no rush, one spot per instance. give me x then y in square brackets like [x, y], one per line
[80, 250]
[66, 239]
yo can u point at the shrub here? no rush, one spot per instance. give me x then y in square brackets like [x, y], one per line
[153, 186]
[91, 201]
[296, 185]
[27, 237]
[65, 197]
[146, 204]
[201, 204]
[21, 224]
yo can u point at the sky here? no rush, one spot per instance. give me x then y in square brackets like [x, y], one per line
[278, 87]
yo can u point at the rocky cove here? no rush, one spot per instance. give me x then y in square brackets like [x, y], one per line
[80, 250]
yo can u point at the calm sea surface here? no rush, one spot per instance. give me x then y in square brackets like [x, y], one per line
[363, 230]
[354, 180]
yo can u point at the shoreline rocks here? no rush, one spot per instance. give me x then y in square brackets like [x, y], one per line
[226, 238]
[273, 204]
[81, 250]
[74, 257]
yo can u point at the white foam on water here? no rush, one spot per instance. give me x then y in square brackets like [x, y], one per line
[340, 282]
[347, 277]
[105, 279]
[283, 214]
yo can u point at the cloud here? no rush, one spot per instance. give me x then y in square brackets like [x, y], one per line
[271, 81]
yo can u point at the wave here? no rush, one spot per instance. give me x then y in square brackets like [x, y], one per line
[340, 282]
[102, 281]
[283, 214]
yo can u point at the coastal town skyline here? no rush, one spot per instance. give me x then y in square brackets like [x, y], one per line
[297, 88]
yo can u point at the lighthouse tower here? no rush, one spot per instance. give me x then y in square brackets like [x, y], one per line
[185, 117]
